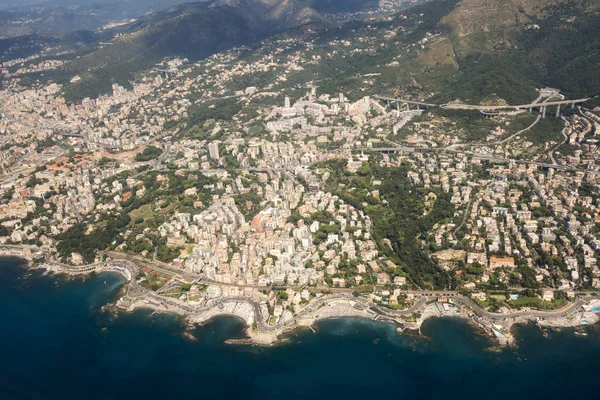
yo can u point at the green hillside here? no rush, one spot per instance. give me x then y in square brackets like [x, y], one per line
[555, 44]
[192, 31]
[471, 50]
[443, 50]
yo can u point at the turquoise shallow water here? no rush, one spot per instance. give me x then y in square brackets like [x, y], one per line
[59, 344]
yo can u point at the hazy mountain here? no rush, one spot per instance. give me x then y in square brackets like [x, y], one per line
[69, 15]
[465, 49]
[340, 6]
[193, 31]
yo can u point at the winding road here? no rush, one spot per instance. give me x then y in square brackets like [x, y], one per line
[363, 304]
[309, 313]
[551, 152]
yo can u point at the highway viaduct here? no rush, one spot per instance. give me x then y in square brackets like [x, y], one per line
[541, 106]
[442, 151]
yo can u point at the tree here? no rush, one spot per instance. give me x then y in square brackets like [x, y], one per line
[32, 181]
[149, 153]
[9, 193]
[282, 295]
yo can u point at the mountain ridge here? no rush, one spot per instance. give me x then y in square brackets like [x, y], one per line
[504, 46]
[460, 49]
[191, 30]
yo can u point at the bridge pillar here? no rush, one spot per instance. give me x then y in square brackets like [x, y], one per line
[397, 106]
[407, 107]
[572, 105]
[557, 110]
[543, 111]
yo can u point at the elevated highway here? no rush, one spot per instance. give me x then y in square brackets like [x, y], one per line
[482, 156]
[408, 103]
[168, 73]
[458, 106]
[537, 104]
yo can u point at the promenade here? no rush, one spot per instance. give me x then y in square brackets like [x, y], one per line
[334, 303]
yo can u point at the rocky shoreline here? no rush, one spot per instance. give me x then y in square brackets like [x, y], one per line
[260, 332]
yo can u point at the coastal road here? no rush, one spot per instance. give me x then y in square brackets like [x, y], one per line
[360, 303]
[530, 313]
[192, 277]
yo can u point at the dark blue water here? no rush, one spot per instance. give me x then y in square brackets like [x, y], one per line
[58, 343]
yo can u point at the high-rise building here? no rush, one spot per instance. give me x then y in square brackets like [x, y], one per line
[213, 150]
[287, 102]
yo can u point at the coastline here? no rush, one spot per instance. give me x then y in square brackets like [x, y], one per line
[70, 329]
[330, 306]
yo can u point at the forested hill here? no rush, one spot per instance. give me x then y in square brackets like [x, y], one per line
[443, 50]
[193, 31]
[511, 47]
[472, 51]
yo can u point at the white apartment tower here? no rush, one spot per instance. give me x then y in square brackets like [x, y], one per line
[213, 150]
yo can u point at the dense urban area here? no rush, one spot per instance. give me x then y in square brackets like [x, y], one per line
[262, 182]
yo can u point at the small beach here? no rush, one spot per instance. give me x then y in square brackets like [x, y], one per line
[63, 343]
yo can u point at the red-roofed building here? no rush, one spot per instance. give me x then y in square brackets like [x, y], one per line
[498, 262]
[382, 278]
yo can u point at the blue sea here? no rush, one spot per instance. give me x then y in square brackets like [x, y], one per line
[58, 342]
